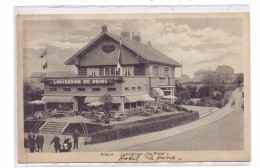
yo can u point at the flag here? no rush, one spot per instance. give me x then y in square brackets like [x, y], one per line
[44, 66]
[44, 53]
[118, 67]
[44, 58]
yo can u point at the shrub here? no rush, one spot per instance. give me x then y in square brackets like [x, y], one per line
[133, 130]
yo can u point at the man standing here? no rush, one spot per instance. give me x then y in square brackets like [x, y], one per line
[56, 141]
[75, 136]
[39, 142]
[31, 142]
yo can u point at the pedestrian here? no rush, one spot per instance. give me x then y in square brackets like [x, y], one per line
[75, 136]
[39, 142]
[57, 145]
[233, 104]
[31, 142]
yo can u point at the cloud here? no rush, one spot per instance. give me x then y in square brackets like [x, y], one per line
[202, 46]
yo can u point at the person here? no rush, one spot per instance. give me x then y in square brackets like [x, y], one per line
[31, 142]
[56, 141]
[67, 145]
[233, 104]
[39, 142]
[75, 136]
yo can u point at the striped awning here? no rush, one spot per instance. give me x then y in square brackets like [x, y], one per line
[58, 99]
[137, 97]
[157, 92]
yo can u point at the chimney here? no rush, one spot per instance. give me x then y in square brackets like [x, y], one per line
[149, 43]
[137, 37]
[125, 33]
[104, 29]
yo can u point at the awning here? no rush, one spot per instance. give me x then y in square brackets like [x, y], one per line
[97, 99]
[137, 97]
[157, 92]
[169, 97]
[91, 99]
[58, 99]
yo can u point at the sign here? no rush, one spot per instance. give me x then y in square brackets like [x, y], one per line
[92, 81]
[108, 48]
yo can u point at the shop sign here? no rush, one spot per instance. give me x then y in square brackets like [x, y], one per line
[92, 81]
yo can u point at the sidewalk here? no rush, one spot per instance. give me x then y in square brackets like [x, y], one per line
[146, 138]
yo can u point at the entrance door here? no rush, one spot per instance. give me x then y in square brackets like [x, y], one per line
[81, 102]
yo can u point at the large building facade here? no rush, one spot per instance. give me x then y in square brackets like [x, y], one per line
[144, 73]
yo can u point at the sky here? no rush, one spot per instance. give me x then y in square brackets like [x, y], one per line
[199, 43]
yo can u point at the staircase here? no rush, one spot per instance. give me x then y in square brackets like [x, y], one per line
[52, 127]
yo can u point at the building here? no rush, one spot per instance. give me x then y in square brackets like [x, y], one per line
[145, 72]
[184, 78]
[226, 74]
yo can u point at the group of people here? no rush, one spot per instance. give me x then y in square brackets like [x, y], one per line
[35, 142]
[67, 144]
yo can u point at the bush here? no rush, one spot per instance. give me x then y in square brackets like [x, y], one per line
[133, 130]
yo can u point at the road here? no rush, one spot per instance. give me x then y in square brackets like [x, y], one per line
[224, 134]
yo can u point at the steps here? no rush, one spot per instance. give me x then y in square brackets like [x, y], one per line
[52, 127]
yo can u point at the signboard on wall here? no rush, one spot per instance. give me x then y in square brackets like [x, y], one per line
[92, 81]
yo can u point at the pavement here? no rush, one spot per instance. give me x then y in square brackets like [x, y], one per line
[120, 144]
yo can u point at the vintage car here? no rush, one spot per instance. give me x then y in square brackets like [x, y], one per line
[99, 117]
[118, 116]
[147, 112]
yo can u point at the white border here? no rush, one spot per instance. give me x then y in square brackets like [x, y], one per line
[8, 77]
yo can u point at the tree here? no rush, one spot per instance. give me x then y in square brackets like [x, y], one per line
[107, 100]
[192, 90]
[240, 79]
[30, 93]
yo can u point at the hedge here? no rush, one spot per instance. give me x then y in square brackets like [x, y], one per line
[153, 126]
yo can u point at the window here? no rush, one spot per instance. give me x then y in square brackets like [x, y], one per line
[93, 71]
[67, 89]
[53, 89]
[113, 71]
[101, 71]
[139, 88]
[81, 89]
[160, 71]
[170, 72]
[82, 70]
[128, 71]
[106, 69]
[133, 105]
[155, 70]
[109, 71]
[95, 89]
[166, 71]
[126, 88]
[111, 89]
[133, 88]
[139, 104]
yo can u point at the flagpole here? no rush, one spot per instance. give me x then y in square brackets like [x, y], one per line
[46, 60]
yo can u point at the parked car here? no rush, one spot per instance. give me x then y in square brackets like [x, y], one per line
[98, 117]
[147, 112]
[118, 116]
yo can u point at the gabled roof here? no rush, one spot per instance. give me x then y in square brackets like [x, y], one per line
[146, 51]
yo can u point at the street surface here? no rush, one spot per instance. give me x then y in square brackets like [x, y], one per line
[224, 134]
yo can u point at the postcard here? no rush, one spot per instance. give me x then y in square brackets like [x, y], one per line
[127, 88]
